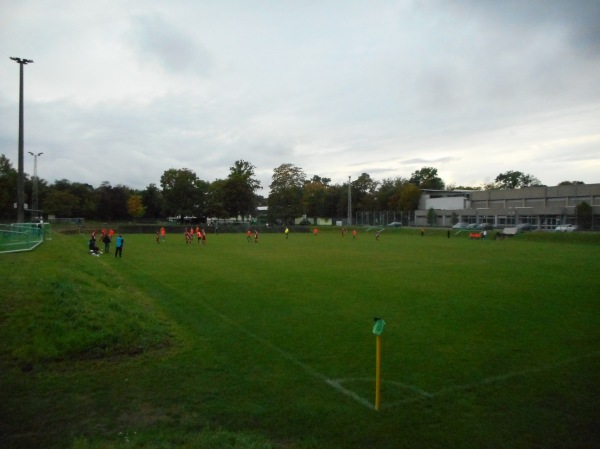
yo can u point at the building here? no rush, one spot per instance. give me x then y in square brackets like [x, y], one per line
[543, 208]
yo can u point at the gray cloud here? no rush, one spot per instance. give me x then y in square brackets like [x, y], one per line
[156, 39]
[471, 87]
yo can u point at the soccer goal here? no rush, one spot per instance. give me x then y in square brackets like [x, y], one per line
[22, 236]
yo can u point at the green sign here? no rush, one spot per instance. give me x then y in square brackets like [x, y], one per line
[378, 327]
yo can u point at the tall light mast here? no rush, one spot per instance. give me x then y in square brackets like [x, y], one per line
[349, 202]
[20, 177]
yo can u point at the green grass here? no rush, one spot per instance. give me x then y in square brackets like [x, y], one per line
[236, 344]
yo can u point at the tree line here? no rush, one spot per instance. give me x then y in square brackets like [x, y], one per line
[182, 194]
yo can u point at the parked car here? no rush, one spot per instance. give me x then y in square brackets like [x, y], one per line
[566, 228]
[524, 227]
[485, 227]
[461, 225]
[395, 224]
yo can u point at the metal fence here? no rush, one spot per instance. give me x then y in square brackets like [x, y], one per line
[383, 218]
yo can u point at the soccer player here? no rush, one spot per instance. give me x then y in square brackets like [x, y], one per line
[256, 236]
[287, 232]
[248, 236]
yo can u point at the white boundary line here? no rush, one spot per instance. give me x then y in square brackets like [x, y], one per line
[492, 380]
[286, 355]
[420, 394]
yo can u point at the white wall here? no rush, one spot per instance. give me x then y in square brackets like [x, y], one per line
[448, 203]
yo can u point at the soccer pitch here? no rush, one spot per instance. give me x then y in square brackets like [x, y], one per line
[486, 343]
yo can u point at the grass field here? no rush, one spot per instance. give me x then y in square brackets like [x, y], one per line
[488, 344]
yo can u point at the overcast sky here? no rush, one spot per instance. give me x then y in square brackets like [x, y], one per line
[121, 91]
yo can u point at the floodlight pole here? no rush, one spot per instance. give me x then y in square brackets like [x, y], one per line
[35, 181]
[349, 202]
[20, 177]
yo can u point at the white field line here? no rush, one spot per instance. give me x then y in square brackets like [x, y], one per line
[492, 380]
[420, 394]
[286, 355]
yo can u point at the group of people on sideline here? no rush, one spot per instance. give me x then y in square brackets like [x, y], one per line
[106, 237]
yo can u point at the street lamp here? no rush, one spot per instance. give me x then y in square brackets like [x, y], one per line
[20, 181]
[35, 182]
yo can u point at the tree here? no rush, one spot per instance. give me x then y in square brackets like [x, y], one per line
[515, 180]
[335, 203]
[62, 203]
[153, 201]
[408, 197]
[364, 190]
[454, 218]
[584, 213]
[285, 198]
[180, 189]
[455, 187]
[86, 203]
[238, 190]
[135, 207]
[386, 194]
[431, 217]
[215, 204]
[314, 197]
[112, 202]
[570, 183]
[8, 188]
[427, 178]
[324, 181]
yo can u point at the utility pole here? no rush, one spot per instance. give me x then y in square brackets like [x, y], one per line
[35, 183]
[20, 177]
[349, 202]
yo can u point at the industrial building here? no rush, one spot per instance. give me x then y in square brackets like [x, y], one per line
[543, 208]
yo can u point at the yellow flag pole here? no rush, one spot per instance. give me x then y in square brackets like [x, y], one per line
[377, 330]
[378, 372]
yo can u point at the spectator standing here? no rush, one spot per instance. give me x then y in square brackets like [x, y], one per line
[119, 246]
[106, 241]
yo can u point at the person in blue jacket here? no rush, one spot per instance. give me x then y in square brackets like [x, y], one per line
[119, 246]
